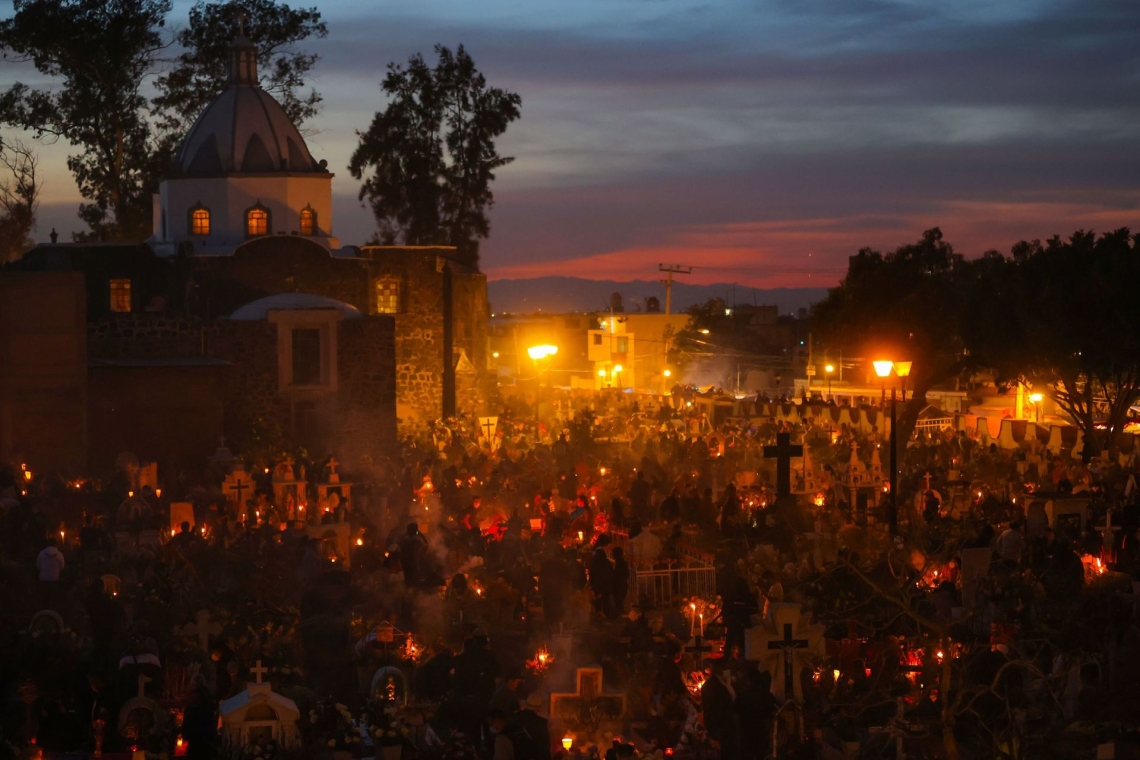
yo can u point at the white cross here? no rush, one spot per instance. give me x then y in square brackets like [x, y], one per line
[258, 671]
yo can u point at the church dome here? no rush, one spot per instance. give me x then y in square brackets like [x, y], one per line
[244, 130]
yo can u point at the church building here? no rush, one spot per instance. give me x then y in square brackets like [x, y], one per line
[242, 315]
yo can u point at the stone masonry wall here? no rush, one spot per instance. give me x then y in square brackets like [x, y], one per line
[144, 335]
[255, 411]
[364, 417]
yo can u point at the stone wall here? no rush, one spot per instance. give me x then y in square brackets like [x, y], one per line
[364, 418]
[474, 388]
[256, 414]
[144, 335]
[277, 264]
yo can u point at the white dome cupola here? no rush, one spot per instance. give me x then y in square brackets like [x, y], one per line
[243, 171]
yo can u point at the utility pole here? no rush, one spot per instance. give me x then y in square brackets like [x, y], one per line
[668, 282]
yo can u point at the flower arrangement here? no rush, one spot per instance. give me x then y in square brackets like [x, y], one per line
[388, 728]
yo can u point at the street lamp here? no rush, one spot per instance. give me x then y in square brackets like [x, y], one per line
[883, 370]
[1036, 398]
[537, 353]
[829, 370]
[616, 372]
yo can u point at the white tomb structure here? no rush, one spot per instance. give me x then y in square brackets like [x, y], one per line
[259, 715]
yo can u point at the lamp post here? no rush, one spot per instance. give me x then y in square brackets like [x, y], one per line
[1036, 398]
[883, 370]
[538, 353]
[829, 370]
[616, 372]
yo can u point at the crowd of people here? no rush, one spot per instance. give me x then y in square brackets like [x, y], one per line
[458, 559]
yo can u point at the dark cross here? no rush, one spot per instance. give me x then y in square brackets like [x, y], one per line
[489, 426]
[237, 487]
[698, 648]
[783, 452]
[789, 645]
[259, 671]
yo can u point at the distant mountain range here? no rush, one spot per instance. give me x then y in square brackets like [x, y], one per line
[570, 294]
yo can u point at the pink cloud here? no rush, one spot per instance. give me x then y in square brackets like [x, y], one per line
[813, 251]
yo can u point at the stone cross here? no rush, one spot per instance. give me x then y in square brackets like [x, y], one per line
[334, 477]
[783, 452]
[587, 707]
[785, 641]
[926, 477]
[1108, 535]
[143, 681]
[203, 628]
[258, 671]
[788, 644]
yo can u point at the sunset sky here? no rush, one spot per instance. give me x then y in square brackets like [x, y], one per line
[763, 141]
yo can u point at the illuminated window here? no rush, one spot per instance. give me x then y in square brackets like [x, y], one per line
[388, 295]
[308, 222]
[256, 222]
[121, 296]
[200, 221]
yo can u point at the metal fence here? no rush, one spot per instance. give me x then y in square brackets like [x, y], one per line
[657, 588]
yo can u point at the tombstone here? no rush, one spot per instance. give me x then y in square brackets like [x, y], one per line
[148, 476]
[876, 473]
[975, 567]
[334, 484]
[389, 685]
[237, 488]
[1068, 515]
[141, 717]
[487, 428]
[335, 540]
[808, 482]
[203, 628]
[150, 541]
[46, 623]
[589, 707]
[112, 584]
[785, 643]
[286, 486]
[180, 512]
[222, 456]
[259, 715]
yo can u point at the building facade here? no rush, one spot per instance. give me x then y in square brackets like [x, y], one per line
[242, 316]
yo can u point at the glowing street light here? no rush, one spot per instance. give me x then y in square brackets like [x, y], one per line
[829, 370]
[537, 353]
[1036, 399]
[883, 369]
[542, 352]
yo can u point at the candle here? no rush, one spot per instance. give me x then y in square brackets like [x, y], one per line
[702, 624]
[692, 618]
